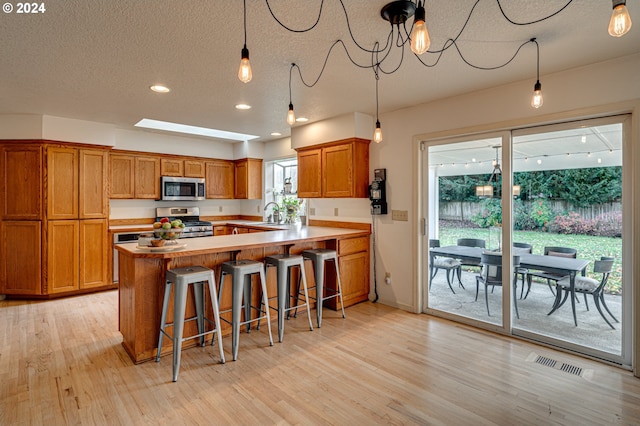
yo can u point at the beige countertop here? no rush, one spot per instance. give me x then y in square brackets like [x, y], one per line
[225, 243]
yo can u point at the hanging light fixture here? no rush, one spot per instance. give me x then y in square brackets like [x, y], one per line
[536, 99]
[486, 191]
[244, 72]
[620, 22]
[420, 40]
[377, 134]
[291, 116]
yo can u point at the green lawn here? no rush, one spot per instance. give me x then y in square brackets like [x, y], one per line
[588, 247]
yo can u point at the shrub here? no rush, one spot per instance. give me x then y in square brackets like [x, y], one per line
[541, 214]
[490, 213]
[572, 223]
[522, 220]
[608, 225]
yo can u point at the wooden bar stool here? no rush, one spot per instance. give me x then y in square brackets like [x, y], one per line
[284, 263]
[182, 278]
[319, 257]
[241, 272]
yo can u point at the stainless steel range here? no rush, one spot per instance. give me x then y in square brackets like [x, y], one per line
[190, 216]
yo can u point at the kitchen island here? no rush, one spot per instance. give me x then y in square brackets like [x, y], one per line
[142, 275]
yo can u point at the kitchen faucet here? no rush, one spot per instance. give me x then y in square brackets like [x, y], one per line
[277, 214]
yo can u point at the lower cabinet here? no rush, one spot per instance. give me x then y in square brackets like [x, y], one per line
[76, 255]
[353, 260]
[20, 260]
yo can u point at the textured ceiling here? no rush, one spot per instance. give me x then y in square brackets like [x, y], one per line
[95, 59]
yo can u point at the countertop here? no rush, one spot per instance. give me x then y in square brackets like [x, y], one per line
[253, 224]
[291, 234]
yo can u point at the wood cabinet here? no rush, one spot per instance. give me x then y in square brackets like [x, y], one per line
[147, 177]
[122, 180]
[335, 170]
[63, 238]
[171, 167]
[220, 179]
[353, 260]
[248, 178]
[62, 183]
[21, 195]
[94, 247]
[93, 184]
[194, 168]
[21, 260]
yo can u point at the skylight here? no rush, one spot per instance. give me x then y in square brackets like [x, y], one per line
[193, 130]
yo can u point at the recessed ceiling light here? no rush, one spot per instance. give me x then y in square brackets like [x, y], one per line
[276, 134]
[159, 88]
[302, 119]
[243, 106]
[193, 130]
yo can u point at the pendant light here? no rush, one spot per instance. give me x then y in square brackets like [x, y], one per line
[420, 40]
[291, 116]
[536, 99]
[244, 72]
[377, 134]
[620, 22]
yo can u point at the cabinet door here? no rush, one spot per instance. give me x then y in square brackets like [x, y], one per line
[254, 179]
[21, 260]
[21, 186]
[220, 179]
[122, 176]
[354, 277]
[242, 180]
[62, 183]
[310, 173]
[147, 182]
[337, 176]
[94, 253]
[194, 168]
[93, 184]
[171, 167]
[62, 255]
[219, 230]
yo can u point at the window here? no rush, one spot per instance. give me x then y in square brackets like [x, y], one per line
[281, 187]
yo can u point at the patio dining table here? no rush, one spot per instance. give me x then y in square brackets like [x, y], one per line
[553, 264]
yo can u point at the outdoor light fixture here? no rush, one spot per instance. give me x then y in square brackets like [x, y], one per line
[291, 116]
[620, 22]
[536, 99]
[244, 72]
[486, 191]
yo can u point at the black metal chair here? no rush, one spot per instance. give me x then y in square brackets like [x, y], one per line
[491, 275]
[520, 271]
[587, 285]
[445, 263]
[470, 242]
[551, 251]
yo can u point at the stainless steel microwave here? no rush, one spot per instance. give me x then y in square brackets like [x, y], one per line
[180, 188]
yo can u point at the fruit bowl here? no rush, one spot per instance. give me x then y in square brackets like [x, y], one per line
[168, 234]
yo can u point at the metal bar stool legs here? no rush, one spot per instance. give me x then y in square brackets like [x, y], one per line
[180, 279]
[241, 272]
[284, 263]
[319, 257]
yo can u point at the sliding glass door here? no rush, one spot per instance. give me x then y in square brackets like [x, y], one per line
[553, 199]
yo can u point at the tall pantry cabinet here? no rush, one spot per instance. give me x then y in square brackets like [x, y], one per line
[54, 218]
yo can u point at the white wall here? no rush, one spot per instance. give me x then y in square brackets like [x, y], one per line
[568, 94]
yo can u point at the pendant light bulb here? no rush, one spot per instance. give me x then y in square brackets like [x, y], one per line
[420, 40]
[377, 134]
[291, 116]
[620, 22]
[536, 99]
[244, 72]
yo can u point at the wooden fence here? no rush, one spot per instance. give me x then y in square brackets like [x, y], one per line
[456, 210]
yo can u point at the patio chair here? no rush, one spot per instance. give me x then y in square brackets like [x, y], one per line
[520, 271]
[588, 285]
[451, 266]
[491, 275]
[470, 242]
[551, 251]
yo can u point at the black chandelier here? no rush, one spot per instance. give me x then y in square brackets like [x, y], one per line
[398, 13]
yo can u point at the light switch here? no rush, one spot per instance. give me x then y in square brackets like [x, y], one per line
[400, 215]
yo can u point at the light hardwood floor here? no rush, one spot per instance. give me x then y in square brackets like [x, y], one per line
[61, 362]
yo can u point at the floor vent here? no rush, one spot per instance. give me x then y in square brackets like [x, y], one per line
[571, 369]
[546, 361]
[562, 366]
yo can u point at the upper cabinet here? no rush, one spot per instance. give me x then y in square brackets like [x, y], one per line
[172, 167]
[334, 170]
[135, 176]
[22, 182]
[248, 178]
[62, 183]
[194, 168]
[93, 183]
[219, 178]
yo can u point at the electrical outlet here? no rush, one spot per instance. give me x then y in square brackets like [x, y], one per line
[312, 211]
[335, 211]
[387, 278]
[220, 208]
[401, 215]
[258, 208]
